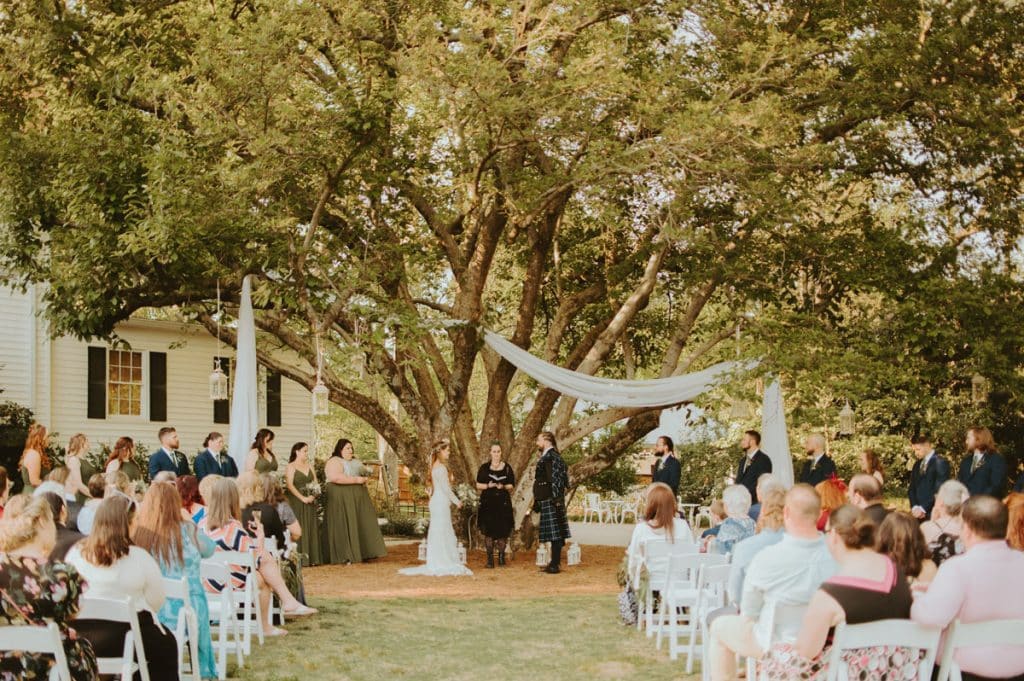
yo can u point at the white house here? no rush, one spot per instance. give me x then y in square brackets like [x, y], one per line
[159, 378]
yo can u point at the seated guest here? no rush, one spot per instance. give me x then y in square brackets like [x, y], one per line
[35, 590]
[977, 587]
[765, 482]
[866, 493]
[787, 573]
[276, 498]
[213, 461]
[942, 532]
[832, 493]
[5, 490]
[191, 500]
[206, 485]
[66, 538]
[770, 531]
[97, 488]
[660, 522]
[1015, 529]
[113, 568]
[867, 587]
[179, 550]
[899, 537]
[252, 497]
[717, 512]
[737, 525]
[221, 525]
[166, 476]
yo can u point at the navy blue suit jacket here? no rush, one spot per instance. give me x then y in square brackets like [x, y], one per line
[669, 472]
[990, 478]
[748, 475]
[207, 464]
[1019, 485]
[925, 483]
[820, 473]
[161, 461]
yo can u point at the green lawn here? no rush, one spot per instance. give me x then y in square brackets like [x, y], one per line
[562, 638]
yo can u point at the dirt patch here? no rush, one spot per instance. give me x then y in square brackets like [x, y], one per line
[519, 579]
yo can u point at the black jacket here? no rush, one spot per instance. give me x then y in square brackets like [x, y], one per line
[814, 474]
[748, 475]
[924, 484]
[990, 478]
[668, 471]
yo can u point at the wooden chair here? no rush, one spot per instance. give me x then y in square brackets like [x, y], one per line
[902, 633]
[37, 638]
[133, 657]
[991, 633]
[186, 632]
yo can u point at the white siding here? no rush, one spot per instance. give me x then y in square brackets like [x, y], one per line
[61, 379]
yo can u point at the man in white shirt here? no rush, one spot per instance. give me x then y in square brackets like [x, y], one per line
[787, 573]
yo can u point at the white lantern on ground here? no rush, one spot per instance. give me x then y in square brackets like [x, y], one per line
[321, 399]
[575, 554]
[218, 382]
[422, 553]
[847, 420]
[543, 555]
[462, 554]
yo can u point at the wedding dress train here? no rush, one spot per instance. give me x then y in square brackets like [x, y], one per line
[442, 548]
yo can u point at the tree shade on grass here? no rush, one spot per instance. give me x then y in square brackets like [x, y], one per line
[563, 638]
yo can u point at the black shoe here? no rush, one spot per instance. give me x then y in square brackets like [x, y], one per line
[501, 558]
[552, 570]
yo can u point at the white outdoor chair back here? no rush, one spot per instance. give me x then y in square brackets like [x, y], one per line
[133, 657]
[246, 600]
[33, 638]
[901, 633]
[657, 554]
[186, 631]
[223, 613]
[991, 633]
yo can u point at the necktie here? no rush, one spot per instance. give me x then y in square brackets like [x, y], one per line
[976, 464]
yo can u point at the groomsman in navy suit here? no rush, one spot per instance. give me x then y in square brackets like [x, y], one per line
[820, 466]
[929, 472]
[666, 469]
[213, 461]
[983, 470]
[168, 458]
[753, 464]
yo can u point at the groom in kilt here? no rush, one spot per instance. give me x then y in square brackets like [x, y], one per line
[549, 485]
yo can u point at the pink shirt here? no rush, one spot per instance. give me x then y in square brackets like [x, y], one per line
[982, 584]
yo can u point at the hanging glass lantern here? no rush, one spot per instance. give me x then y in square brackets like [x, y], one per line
[739, 410]
[979, 389]
[321, 399]
[218, 383]
[847, 419]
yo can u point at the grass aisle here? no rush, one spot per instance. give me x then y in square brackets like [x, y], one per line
[568, 637]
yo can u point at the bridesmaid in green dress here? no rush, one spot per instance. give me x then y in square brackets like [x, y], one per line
[351, 532]
[299, 476]
[261, 454]
[122, 458]
[34, 463]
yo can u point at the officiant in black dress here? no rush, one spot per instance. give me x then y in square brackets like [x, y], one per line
[495, 481]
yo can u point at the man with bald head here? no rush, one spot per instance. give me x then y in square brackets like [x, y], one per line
[787, 573]
[866, 493]
[819, 466]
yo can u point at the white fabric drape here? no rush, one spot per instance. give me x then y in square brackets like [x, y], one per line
[244, 409]
[774, 438]
[659, 392]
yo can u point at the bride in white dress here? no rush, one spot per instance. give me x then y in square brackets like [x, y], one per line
[442, 548]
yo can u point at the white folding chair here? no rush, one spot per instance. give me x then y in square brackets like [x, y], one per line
[592, 506]
[37, 638]
[247, 600]
[133, 657]
[276, 611]
[632, 507]
[186, 632]
[783, 622]
[703, 513]
[901, 633]
[992, 633]
[711, 587]
[223, 614]
[681, 595]
[655, 555]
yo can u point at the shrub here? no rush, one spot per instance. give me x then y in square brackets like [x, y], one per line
[405, 525]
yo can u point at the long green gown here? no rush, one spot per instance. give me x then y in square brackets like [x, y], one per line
[351, 532]
[309, 542]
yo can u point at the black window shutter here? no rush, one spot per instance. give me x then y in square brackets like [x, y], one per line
[222, 408]
[273, 399]
[97, 399]
[158, 386]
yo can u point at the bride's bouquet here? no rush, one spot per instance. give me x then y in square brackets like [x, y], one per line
[468, 496]
[312, 489]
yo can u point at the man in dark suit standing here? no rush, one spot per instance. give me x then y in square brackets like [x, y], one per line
[754, 462]
[929, 472]
[168, 458]
[213, 461]
[983, 470]
[667, 469]
[819, 466]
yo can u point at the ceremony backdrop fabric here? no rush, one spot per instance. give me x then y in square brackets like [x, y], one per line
[774, 439]
[244, 407]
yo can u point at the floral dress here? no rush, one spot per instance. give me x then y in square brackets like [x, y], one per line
[31, 592]
[195, 547]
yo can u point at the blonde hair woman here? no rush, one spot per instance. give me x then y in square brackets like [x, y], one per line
[78, 447]
[35, 589]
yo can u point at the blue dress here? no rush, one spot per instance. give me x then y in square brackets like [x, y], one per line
[168, 614]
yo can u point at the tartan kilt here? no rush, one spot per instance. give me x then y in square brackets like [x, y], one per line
[554, 524]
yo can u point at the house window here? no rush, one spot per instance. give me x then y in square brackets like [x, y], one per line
[124, 383]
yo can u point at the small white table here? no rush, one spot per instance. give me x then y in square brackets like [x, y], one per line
[690, 511]
[614, 508]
